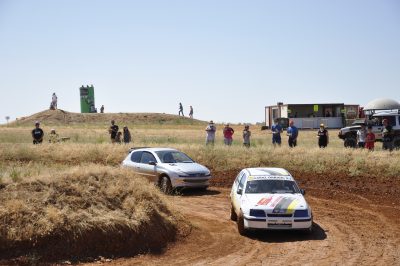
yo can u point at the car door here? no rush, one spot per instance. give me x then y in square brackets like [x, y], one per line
[237, 196]
[147, 169]
[134, 161]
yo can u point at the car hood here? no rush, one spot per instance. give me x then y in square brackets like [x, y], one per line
[275, 203]
[188, 168]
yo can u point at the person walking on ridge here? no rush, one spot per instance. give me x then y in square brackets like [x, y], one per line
[180, 109]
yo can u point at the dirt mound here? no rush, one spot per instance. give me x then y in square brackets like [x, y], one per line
[61, 117]
[86, 212]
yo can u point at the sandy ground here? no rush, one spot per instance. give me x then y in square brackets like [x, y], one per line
[349, 230]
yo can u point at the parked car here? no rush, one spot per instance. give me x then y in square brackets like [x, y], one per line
[168, 168]
[269, 198]
[349, 134]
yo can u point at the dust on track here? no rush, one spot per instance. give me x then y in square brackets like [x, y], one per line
[349, 230]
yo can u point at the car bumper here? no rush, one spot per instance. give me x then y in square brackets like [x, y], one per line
[203, 181]
[278, 223]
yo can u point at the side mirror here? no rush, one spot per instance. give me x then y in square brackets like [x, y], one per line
[302, 191]
[152, 163]
[239, 191]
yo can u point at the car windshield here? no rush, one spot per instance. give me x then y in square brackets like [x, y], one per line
[271, 186]
[173, 157]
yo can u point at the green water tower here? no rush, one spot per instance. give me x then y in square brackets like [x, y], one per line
[87, 99]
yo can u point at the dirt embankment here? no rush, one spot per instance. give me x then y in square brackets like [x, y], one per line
[83, 213]
[61, 117]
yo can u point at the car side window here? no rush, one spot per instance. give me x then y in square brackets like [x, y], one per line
[242, 180]
[238, 177]
[147, 157]
[135, 156]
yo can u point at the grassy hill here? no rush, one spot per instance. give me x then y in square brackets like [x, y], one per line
[60, 117]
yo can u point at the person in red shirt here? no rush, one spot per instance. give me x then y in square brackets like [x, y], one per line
[228, 133]
[370, 139]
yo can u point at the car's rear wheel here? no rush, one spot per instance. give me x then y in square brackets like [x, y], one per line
[350, 142]
[166, 185]
[240, 224]
[233, 214]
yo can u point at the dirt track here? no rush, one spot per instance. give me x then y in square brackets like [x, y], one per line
[349, 230]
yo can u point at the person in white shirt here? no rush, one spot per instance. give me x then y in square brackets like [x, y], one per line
[361, 135]
[210, 129]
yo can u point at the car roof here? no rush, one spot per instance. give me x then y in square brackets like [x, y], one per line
[154, 149]
[267, 171]
[385, 113]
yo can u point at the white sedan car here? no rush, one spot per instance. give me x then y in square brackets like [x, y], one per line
[269, 198]
[168, 168]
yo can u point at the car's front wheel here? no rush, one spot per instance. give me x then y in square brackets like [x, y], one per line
[166, 185]
[240, 224]
[350, 142]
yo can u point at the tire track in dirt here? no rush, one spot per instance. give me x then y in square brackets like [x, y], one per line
[347, 232]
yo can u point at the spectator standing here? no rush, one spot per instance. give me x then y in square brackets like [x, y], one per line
[127, 135]
[276, 130]
[246, 136]
[361, 135]
[387, 136]
[113, 130]
[370, 139]
[292, 132]
[228, 134]
[118, 137]
[180, 109]
[210, 130]
[102, 109]
[323, 137]
[53, 137]
[190, 112]
[37, 134]
[53, 105]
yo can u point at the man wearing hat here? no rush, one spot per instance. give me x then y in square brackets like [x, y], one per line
[246, 136]
[361, 136]
[387, 136]
[113, 130]
[210, 130]
[37, 133]
[53, 137]
[323, 137]
[228, 134]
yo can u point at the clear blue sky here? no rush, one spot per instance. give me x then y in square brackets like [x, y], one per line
[228, 59]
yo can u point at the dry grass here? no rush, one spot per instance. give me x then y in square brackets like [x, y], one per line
[86, 211]
[331, 161]
[97, 207]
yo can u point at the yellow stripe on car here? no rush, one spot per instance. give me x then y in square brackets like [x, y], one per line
[292, 206]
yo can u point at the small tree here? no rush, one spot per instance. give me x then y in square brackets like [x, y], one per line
[7, 118]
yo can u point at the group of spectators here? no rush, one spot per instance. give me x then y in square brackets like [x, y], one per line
[118, 136]
[38, 134]
[292, 132]
[228, 132]
[365, 137]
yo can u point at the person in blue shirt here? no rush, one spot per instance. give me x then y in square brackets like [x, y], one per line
[292, 133]
[276, 130]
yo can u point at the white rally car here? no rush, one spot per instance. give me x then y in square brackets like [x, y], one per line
[269, 198]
